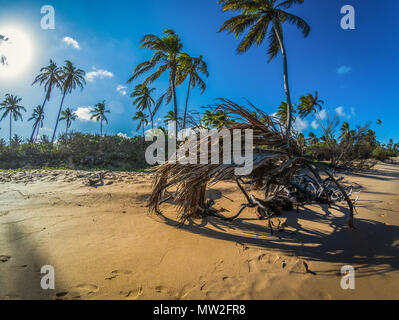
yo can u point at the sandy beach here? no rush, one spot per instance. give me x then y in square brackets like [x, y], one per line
[103, 244]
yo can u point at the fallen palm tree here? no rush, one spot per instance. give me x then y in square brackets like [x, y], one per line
[286, 176]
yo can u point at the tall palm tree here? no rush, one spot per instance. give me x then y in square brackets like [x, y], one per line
[50, 77]
[10, 107]
[38, 117]
[140, 116]
[167, 50]
[71, 79]
[99, 114]
[259, 15]
[143, 100]
[68, 115]
[190, 68]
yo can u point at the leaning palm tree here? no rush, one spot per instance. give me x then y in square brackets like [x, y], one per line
[190, 68]
[10, 107]
[99, 114]
[143, 100]
[37, 117]
[71, 79]
[50, 77]
[166, 53]
[140, 116]
[68, 115]
[262, 16]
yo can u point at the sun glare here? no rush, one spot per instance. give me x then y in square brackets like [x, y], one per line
[17, 50]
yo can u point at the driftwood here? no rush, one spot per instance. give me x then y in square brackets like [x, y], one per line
[280, 169]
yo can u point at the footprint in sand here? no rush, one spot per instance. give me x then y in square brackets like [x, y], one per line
[133, 294]
[4, 258]
[21, 267]
[80, 291]
[117, 273]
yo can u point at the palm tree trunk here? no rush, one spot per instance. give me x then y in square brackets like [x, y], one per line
[186, 107]
[286, 83]
[37, 131]
[173, 83]
[152, 117]
[101, 128]
[58, 117]
[10, 127]
[33, 137]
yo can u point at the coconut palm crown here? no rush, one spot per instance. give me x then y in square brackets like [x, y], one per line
[166, 52]
[72, 78]
[265, 19]
[10, 107]
[99, 114]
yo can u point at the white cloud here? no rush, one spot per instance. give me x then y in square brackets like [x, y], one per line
[100, 73]
[344, 69]
[340, 111]
[123, 135]
[315, 125]
[301, 125]
[323, 114]
[83, 114]
[122, 90]
[71, 42]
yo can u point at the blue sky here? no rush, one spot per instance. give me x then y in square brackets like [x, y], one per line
[354, 71]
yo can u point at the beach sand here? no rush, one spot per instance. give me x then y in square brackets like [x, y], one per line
[103, 244]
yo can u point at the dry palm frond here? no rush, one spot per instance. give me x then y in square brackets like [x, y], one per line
[277, 159]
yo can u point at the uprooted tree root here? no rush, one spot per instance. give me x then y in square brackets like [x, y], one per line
[287, 177]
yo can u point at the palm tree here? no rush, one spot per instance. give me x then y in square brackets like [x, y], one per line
[143, 100]
[259, 15]
[282, 112]
[191, 67]
[312, 138]
[167, 50]
[71, 78]
[50, 77]
[216, 119]
[10, 107]
[345, 130]
[143, 120]
[38, 117]
[68, 115]
[170, 116]
[99, 114]
[309, 104]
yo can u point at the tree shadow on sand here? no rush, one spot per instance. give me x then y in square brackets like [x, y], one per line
[373, 247]
[20, 276]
